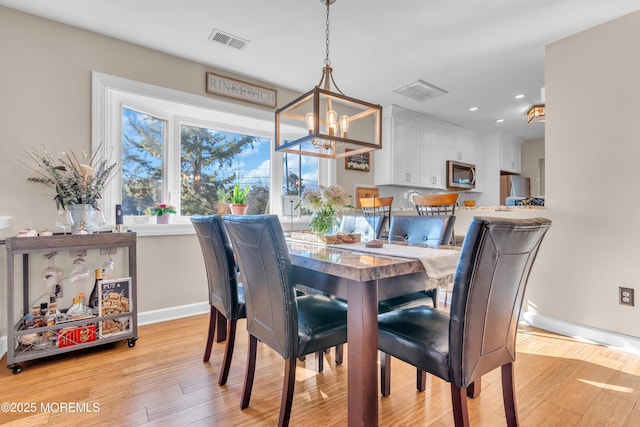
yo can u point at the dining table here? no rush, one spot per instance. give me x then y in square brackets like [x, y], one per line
[363, 276]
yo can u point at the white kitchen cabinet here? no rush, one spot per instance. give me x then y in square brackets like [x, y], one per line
[407, 148]
[464, 149]
[415, 149]
[433, 159]
[510, 155]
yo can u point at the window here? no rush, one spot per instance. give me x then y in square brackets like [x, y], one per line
[213, 160]
[181, 148]
[143, 140]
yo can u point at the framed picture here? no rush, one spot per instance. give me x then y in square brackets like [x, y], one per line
[357, 162]
[114, 298]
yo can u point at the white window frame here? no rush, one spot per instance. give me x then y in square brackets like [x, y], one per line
[110, 93]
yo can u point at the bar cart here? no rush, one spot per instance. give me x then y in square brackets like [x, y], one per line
[19, 350]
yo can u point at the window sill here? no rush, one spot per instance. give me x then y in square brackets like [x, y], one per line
[180, 226]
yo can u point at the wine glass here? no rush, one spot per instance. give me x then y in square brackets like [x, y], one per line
[99, 220]
[109, 268]
[80, 271]
[52, 275]
[64, 220]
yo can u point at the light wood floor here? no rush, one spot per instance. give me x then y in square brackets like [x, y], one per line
[162, 381]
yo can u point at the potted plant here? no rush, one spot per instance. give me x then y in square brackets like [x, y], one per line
[162, 211]
[78, 181]
[238, 200]
[224, 198]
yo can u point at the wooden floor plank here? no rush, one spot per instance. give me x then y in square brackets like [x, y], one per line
[162, 381]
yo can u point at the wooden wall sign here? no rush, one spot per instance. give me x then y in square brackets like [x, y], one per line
[243, 91]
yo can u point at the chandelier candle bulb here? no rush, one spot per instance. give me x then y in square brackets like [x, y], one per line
[344, 125]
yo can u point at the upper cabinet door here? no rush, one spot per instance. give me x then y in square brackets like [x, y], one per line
[415, 149]
[510, 155]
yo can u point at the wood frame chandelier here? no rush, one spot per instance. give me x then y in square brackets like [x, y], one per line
[325, 122]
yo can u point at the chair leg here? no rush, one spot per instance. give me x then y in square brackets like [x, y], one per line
[459, 403]
[339, 354]
[249, 373]
[509, 395]
[385, 374]
[320, 360]
[228, 351]
[287, 391]
[222, 330]
[213, 315]
[421, 379]
[473, 389]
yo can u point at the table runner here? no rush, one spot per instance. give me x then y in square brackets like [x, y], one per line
[438, 263]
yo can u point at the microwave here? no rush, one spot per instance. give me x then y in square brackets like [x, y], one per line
[460, 176]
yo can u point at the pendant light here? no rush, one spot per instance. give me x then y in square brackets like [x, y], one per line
[324, 122]
[536, 114]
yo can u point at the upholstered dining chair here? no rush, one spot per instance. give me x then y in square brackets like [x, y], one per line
[226, 295]
[437, 204]
[479, 333]
[290, 324]
[430, 231]
[378, 207]
[367, 227]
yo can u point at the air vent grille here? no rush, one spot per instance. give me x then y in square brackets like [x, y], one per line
[420, 91]
[228, 39]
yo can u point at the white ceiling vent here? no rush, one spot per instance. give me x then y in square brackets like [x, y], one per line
[420, 91]
[228, 39]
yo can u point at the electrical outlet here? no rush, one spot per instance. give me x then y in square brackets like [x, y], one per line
[626, 296]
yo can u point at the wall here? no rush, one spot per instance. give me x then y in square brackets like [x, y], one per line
[588, 253]
[46, 102]
[532, 153]
[591, 163]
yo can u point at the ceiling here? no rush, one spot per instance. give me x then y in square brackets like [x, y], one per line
[482, 53]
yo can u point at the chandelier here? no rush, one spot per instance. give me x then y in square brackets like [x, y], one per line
[327, 123]
[536, 114]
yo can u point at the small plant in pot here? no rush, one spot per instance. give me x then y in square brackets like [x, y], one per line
[238, 200]
[224, 198]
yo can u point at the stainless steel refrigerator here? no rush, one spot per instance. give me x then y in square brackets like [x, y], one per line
[514, 186]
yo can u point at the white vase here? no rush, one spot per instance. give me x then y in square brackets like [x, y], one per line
[82, 215]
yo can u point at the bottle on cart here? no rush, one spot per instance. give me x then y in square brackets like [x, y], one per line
[93, 298]
[76, 309]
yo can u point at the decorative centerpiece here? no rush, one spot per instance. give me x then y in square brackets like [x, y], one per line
[78, 182]
[325, 203]
[162, 211]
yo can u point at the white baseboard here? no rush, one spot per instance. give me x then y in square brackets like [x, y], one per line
[614, 340]
[3, 346]
[172, 313]
[149, 317]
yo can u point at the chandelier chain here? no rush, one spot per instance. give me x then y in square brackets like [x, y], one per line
[327, 62]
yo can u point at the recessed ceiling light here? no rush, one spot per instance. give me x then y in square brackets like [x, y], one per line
[473, 108]
[499, 120]
[520, 96]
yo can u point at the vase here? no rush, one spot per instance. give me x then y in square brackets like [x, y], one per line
[239, 208]
[82, 215]
[163, 219]
[324, 222]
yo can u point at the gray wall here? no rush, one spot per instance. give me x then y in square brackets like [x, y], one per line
[592, 146]
[46, 102]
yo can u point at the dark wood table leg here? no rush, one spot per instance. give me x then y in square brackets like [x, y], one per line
[362, 327]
